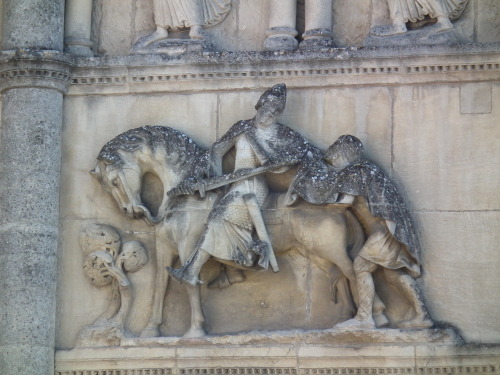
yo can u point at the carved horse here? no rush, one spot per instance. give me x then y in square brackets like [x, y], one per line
[324, 234]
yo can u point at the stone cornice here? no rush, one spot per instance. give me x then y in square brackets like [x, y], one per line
[216, 71]
[200, 358]
[35, 69]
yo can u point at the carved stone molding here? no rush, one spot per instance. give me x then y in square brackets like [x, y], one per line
[30, 68]
[281, 360]
[249, 70]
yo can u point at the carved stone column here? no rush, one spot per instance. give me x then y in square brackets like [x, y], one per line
[318, 32]
[77, 27]
[281, 32]
[32, 84]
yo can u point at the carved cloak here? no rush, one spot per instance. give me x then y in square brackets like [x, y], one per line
[320, 183]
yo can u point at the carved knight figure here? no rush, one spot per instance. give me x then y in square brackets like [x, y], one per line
[403, 11]
[260, 142]
[192, 14]
[392, 242]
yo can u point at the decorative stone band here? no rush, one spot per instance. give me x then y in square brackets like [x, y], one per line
[201, 358]
[250, 70]
[489, 369]
[40, 69]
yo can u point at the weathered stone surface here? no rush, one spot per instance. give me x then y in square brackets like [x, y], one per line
[198, 356]
[33, 24]
[476, 98]
[455, 149]
[29, 204]
[461, 263]
[351, 21]
[488, 21]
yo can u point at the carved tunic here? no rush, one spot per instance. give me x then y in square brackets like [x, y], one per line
[177, 14]
[229, 228]
[414, 10]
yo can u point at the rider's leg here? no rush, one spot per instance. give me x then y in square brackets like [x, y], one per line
[190, 271]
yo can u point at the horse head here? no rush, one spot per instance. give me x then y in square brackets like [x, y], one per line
[123, 161]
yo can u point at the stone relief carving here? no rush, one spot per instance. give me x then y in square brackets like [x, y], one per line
[107, 262]
[340, 211]
[175, 15]
[431, 18]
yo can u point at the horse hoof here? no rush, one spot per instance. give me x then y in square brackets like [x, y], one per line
[194, 333]
[150, 332]
[381, 321]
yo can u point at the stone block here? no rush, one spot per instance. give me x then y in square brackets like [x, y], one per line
[323, 357]
[475, 98]
[26, 359]
[488, 21]
[434, 141]
[460, 271]
[351, 22]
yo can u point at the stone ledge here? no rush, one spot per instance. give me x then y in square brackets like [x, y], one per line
[289, 352]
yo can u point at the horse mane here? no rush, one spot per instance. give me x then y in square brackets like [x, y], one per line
[182, 151]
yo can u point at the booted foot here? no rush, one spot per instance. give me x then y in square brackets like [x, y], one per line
[416, 323]
[180, 276]
[442, 25]
[159, 34]
[196, 32]
[388, 30]
[356, 323]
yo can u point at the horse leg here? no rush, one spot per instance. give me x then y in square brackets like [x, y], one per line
[197, 317]
[164, 258]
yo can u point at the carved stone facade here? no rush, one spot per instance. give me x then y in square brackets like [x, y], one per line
[83, 285]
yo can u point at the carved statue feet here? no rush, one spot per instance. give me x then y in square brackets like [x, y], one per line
[196, 32]
[388, 30]
[440, 26]
[159, 34]
[355, 324]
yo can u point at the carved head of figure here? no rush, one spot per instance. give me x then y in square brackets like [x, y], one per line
[346, 150]
[271, 105]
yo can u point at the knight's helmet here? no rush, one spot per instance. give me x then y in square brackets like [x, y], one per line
[274, 97]
[349, 146]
